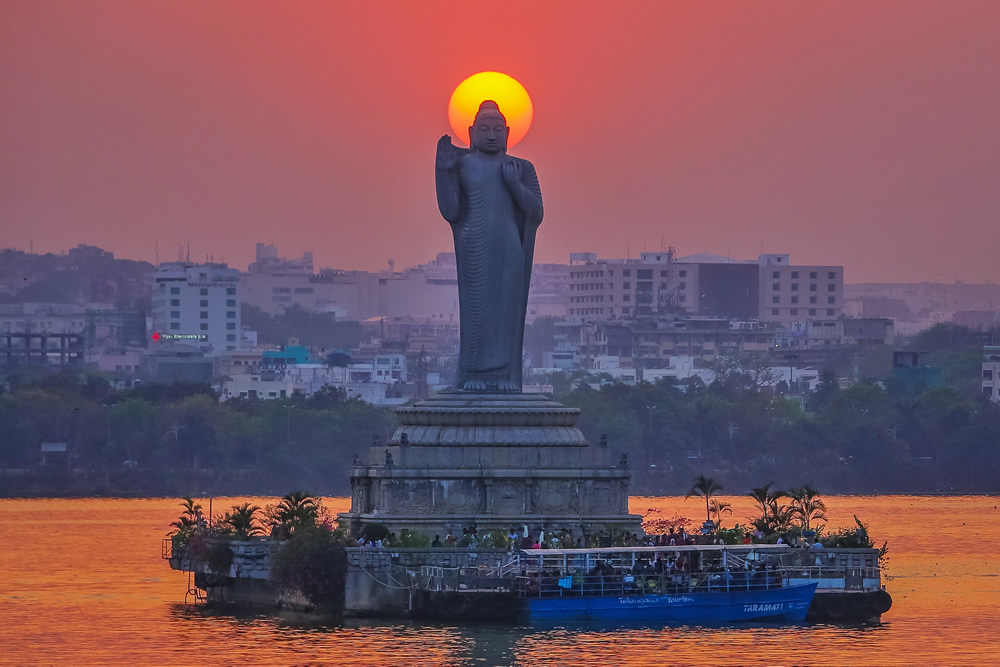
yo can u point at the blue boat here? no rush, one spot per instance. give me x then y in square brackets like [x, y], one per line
[677, 585]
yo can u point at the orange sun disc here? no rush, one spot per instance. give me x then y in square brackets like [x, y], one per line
[506, 91]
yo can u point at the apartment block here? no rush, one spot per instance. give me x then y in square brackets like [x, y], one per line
[197, 304]
[803, 293]
[613, 289]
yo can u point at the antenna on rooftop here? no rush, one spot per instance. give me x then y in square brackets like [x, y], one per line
[156, 251]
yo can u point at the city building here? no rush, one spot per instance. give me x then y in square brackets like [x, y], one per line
[269, 262]
[799, 293]
[408, 334]
[291, 372]
[614, 289]
[868, 331]
[718, 286]
[658, 284]
[991, 372]
[911, 374]
[168, 361]
[429, 290]
[42, 318]
[198, 304]
[42, 334]
[701, 337]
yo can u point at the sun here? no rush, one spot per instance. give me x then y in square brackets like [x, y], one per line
[506, 91]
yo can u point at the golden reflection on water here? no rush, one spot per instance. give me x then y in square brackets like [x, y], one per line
[82, 582]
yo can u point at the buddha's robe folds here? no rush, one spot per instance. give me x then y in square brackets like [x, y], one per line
[494, 245]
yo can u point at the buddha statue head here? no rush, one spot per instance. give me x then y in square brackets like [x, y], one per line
[489, 130]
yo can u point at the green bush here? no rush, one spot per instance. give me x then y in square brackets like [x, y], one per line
[218, 556]
[313, 562]
[850, 538]
[412, 538]
[732, 535]
[495, 539]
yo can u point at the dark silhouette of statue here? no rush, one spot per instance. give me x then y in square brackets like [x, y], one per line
[494, 205]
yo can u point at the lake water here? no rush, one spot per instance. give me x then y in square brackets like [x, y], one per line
[82, 582]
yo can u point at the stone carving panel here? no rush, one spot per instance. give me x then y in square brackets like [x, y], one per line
[458, 497]
[509, 498]
[412, 496]
[555, 497]
[602, 498]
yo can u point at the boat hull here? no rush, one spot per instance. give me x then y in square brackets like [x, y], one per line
[779, 605]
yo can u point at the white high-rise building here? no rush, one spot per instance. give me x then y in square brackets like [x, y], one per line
[197, 304]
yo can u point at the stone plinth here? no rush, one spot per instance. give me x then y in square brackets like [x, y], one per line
[492, 461]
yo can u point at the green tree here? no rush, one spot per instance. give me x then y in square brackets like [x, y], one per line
[189, 518]
[704, 487]
[741, 372]
[539, 338]
[772, 515]
[718, 508]
[946, 336]
[825, 391]
[313, 562]
[241, 520]
[807, 505]
[296, 511]
[135, 429]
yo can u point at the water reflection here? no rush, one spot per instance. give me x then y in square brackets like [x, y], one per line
[84, 578]
[401, 642]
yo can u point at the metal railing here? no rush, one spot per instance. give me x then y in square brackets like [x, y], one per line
[578, 585]
[437, 578]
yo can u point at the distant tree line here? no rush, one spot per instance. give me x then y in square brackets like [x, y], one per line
[178, 438]
[866, 438]
[169, 438]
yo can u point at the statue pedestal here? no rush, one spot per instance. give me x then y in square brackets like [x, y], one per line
[490, 461]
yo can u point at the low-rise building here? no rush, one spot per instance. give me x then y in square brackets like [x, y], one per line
[991, 372]
[367, 381]
[868, 331]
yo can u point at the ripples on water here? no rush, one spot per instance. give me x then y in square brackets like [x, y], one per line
[82, 582]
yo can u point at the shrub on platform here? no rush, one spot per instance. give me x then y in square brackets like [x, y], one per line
[313, 562]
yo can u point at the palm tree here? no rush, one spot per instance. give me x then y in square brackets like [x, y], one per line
[242, 521]
[718, 508]
[704, 487]
[772, 517]
[298, 509]
[807, 505]
[189, 518]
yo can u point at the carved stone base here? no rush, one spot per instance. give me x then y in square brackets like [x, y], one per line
[490, 461]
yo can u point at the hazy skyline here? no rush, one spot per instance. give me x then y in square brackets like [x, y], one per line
[861, 134]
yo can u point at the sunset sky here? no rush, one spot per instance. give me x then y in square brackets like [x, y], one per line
[858, 133]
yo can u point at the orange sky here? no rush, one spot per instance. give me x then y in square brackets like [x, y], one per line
[854, 133]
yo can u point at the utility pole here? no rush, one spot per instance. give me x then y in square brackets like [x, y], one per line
[649, 446]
